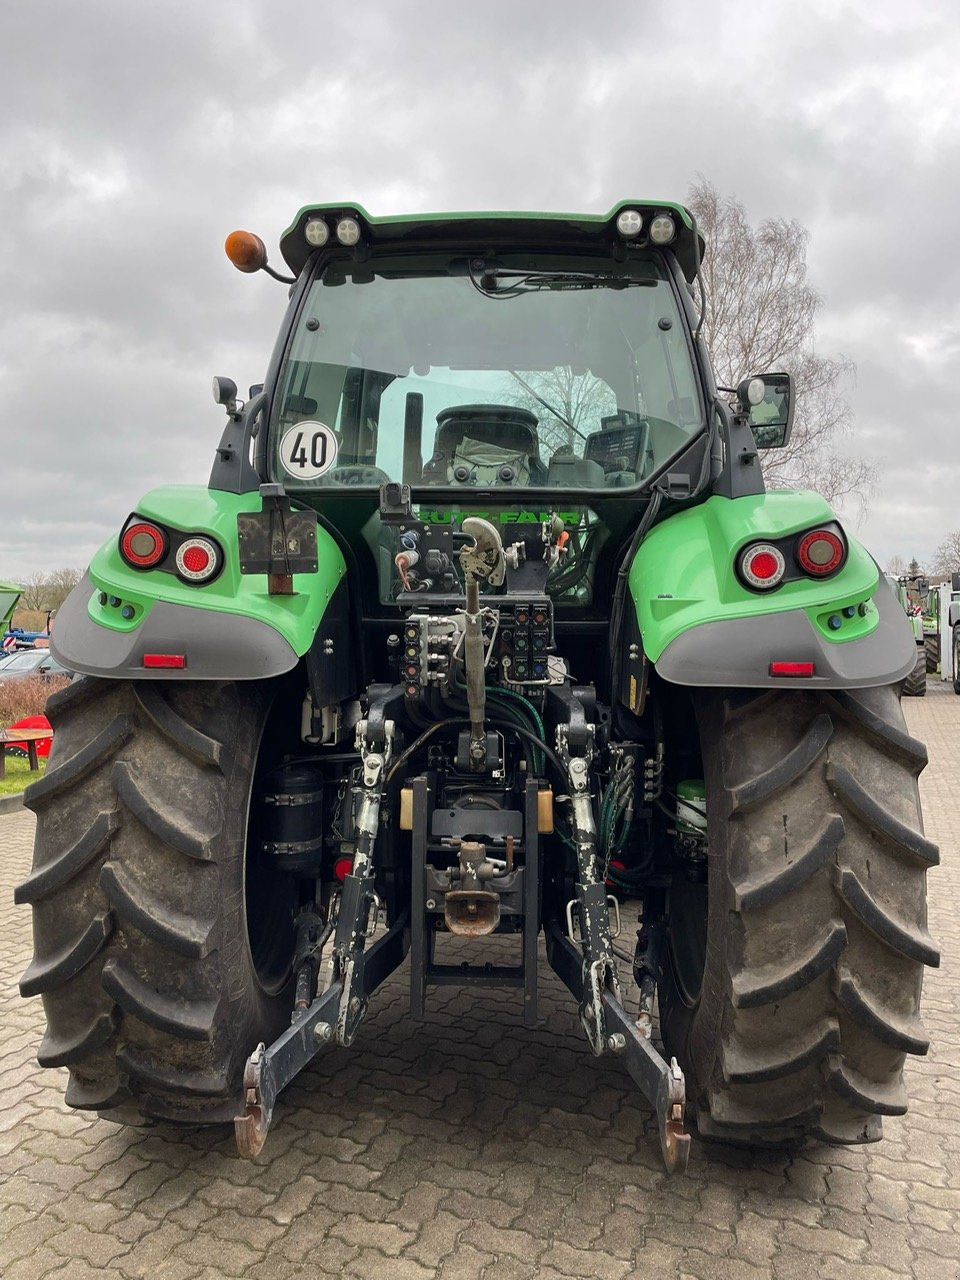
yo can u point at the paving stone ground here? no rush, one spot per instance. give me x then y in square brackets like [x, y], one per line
[470, 1147]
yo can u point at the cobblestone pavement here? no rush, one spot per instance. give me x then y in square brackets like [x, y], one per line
[472, 1147]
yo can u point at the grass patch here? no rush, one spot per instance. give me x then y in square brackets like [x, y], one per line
[18, 775]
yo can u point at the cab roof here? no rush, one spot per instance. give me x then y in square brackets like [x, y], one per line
[496, 230]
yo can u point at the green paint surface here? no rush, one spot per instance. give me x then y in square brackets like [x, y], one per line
[196, 509]
[683, 575]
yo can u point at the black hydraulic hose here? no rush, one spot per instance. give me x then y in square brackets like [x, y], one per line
[417, 743]
[506, 717]
[550, 754]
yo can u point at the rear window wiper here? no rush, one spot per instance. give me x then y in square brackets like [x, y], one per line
[510, 282]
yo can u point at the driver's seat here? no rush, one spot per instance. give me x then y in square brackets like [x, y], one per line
[486, 444]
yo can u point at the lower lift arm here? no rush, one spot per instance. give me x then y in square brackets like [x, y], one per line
[591, 972]
[334, 1015]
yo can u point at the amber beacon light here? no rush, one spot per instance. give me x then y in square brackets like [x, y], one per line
[246, 251]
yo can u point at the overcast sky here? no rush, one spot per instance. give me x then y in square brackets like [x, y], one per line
[134, 136]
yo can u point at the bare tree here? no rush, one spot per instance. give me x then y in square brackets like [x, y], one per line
[34, 593]
[59, 585]
[947, 557]
[760, 316]
[896, 566]
[569, 405]
[43, 591]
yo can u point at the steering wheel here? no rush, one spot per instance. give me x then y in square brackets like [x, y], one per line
[356, 474]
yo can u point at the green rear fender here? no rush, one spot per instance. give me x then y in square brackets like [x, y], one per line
[701, 626]
[231, 628]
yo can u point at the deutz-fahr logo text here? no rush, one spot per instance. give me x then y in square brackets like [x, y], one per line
[500, 516]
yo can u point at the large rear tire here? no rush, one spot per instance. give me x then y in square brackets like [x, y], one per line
[915, 685]
[162, 951]
[792, 984]
[931, 646]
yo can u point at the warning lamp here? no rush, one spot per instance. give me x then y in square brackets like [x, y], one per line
[246, 251]
[143, 545]
[821, 552]
[198, 559]
[761, 566]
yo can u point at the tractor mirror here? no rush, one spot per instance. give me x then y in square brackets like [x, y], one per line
[766, 401]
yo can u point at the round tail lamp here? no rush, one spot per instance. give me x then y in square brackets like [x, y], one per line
[762, 566]
[198, 560]
[821, 551]
[143, 545]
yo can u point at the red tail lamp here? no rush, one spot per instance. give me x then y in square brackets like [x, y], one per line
[198, 559]
[246, 251]
[762, 565]
[820, 552]
[143, 545]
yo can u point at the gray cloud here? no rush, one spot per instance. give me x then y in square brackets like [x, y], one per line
[134, 137]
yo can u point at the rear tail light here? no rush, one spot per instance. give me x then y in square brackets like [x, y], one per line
[198, 559]
[761, 566]
[821, 552]
[143, 544]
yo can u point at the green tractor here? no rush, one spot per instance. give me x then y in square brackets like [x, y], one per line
[911, 592]
[484, 625]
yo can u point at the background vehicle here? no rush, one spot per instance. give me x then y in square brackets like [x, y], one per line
[485, 605]
[911, 592]
[9, 599]
[949, 614]
[31, 662]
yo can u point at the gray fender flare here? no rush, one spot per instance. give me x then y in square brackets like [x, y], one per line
[217, 646]
[737, 652]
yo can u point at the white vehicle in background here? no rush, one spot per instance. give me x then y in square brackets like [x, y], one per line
[950, 632]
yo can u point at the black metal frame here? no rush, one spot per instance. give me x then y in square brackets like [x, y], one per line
[424, 971]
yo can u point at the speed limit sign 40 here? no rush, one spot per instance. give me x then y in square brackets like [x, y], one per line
[308, 450]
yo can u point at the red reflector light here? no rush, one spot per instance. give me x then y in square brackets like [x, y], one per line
[165, 660]
[820, 552]
[143, 545]
[793, 668]
[342, 868]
